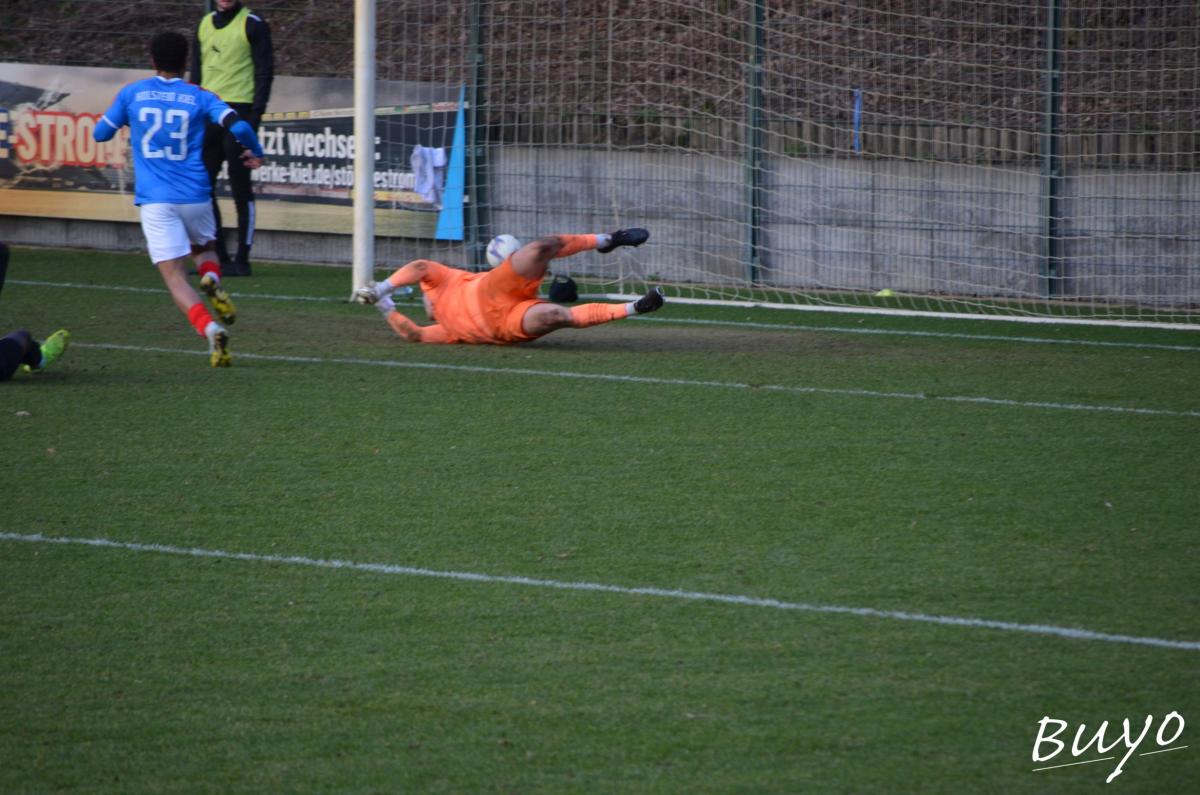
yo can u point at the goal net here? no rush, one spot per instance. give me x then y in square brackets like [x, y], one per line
[1024, 159]
[1034, 159]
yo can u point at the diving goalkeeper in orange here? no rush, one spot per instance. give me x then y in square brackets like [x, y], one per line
[501, 306]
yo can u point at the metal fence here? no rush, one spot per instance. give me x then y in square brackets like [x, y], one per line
[1029, 157]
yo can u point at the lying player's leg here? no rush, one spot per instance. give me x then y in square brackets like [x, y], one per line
[586, 315]
[542, 318]
[508, 294]
[532, 260]
[20, 349]
[17, 349]
[52, 348]
[545, 317]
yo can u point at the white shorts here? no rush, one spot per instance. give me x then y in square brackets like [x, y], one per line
[172, 229]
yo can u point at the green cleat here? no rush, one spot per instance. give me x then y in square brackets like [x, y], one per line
[220, 300]
[53, 347]
[218, 347]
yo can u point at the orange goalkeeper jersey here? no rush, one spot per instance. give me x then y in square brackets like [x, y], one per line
[483, 307]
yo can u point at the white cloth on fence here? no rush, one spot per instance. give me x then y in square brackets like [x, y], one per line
[429, 171]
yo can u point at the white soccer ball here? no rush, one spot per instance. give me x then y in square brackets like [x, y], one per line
[501, 248]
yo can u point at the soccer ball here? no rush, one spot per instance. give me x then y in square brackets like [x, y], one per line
[501, 248]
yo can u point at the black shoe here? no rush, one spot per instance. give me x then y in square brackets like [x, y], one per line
[236, 269]
[625, 237]
[564, 290]
[652, 300]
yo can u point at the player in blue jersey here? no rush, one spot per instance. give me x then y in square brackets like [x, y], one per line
[167, 119]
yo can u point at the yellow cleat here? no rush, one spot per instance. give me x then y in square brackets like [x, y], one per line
[220, 300]
[218, 348]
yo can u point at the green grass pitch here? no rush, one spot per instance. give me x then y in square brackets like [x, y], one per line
[1040, 476]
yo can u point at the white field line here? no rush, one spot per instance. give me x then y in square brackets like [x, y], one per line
[635, 379]
[870, 310]
[161, 291]
[698, 322]
[934, 334]
[595, 587]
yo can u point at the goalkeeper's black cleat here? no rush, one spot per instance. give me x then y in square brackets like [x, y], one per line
[625, 237]
[652, 300]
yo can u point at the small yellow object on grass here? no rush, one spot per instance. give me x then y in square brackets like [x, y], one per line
[885, 293]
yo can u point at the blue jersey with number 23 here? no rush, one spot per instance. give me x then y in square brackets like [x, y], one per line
[166, 119]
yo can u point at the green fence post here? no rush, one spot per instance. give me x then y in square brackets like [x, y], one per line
[1051, 151]
[477, 230]
[754, 139]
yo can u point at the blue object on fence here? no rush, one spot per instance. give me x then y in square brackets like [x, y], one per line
[450, 219]
[858, 120]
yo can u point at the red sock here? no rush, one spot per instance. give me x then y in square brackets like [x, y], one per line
[204, 266]
[573, 244]
[199, 317]
[586, 315]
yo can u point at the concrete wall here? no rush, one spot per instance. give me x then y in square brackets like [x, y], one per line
[867, 224]
[1134, 235]
[695, 207]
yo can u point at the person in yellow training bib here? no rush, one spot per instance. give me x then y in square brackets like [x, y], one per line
[234, 59]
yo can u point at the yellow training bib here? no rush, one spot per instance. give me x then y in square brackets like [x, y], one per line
[226, 65]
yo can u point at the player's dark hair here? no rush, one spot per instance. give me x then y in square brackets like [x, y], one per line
[168, 51]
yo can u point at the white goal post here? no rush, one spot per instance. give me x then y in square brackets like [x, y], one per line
[363, 263]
